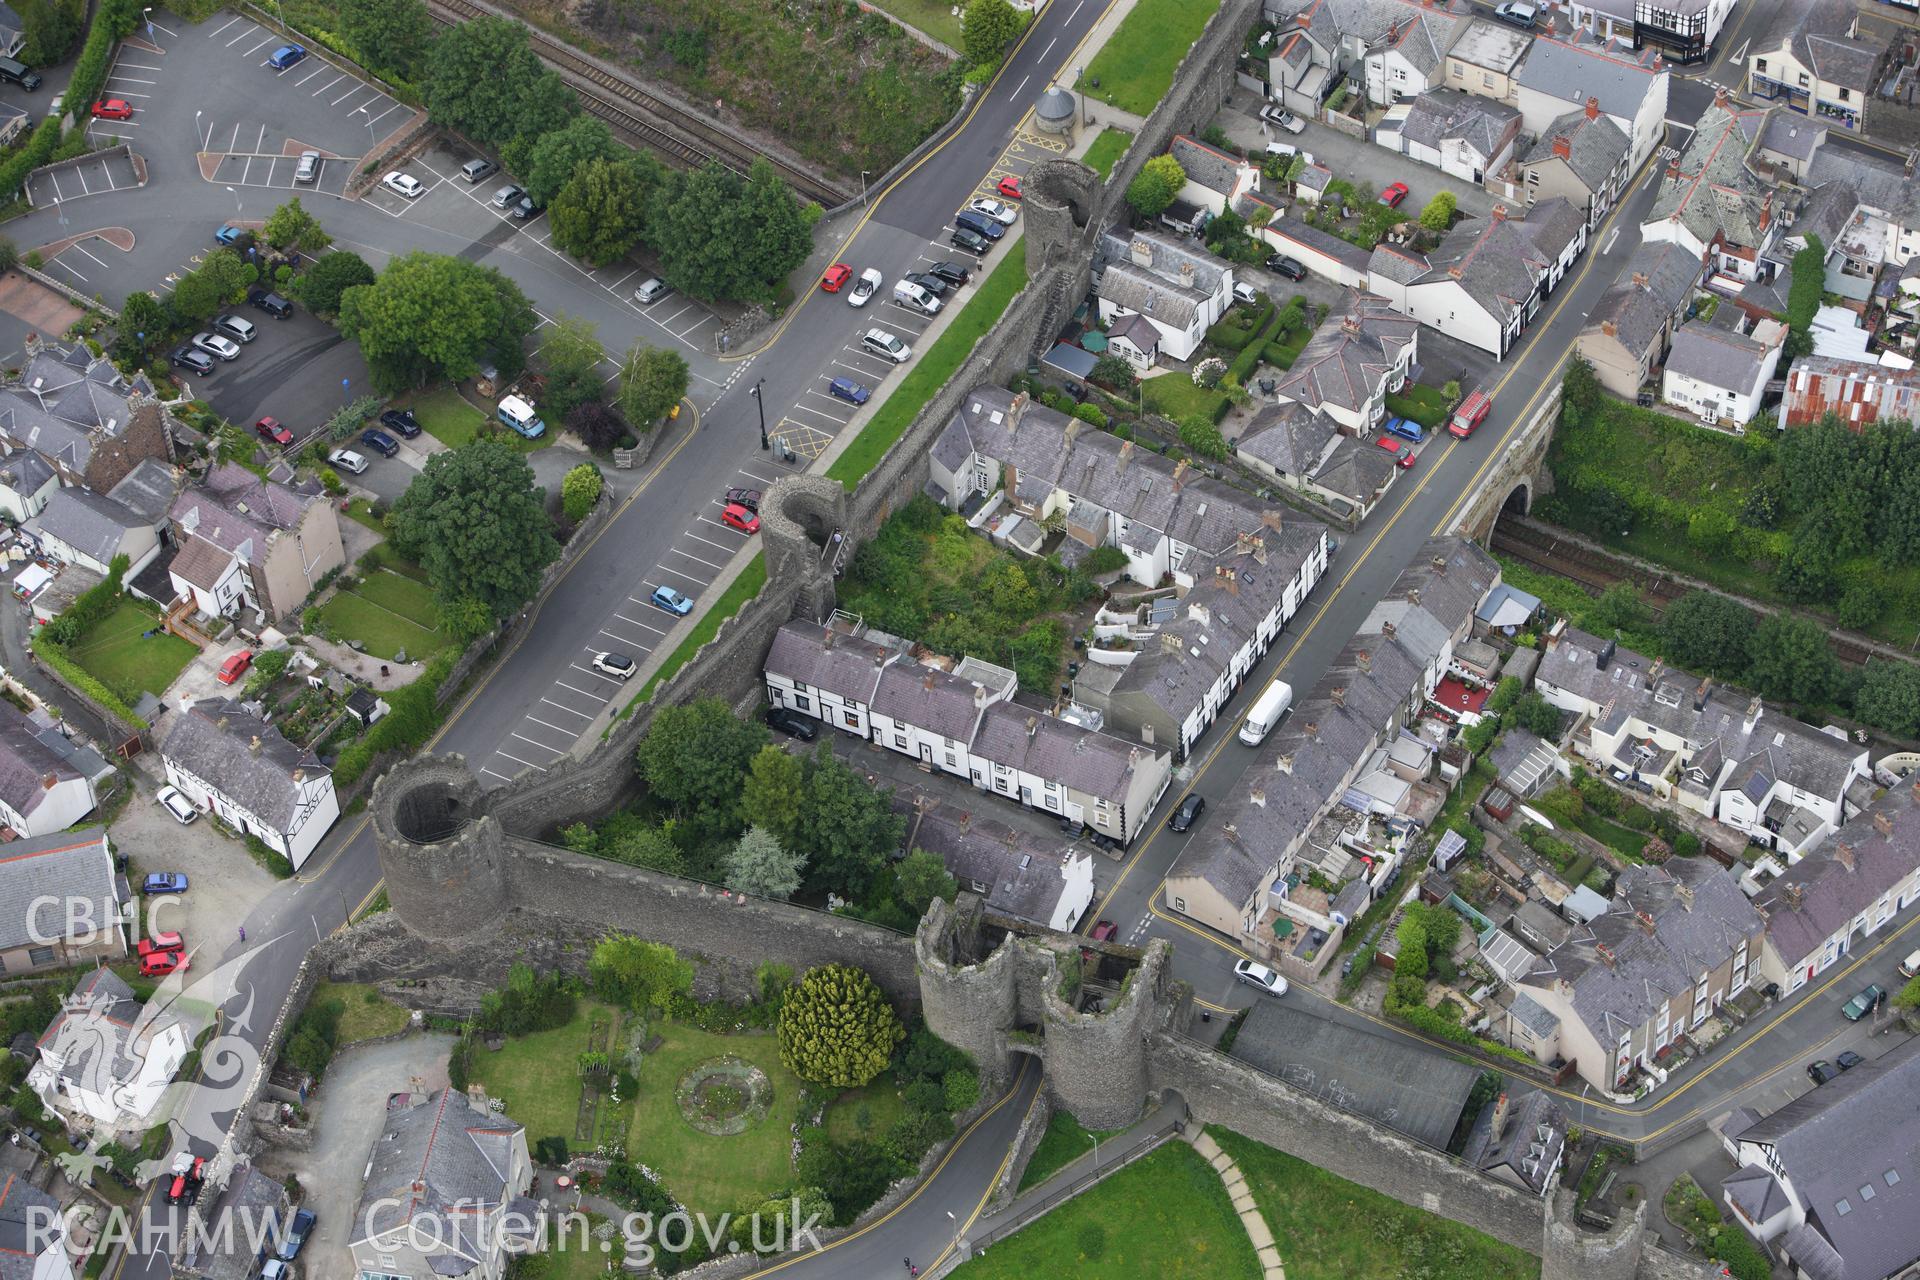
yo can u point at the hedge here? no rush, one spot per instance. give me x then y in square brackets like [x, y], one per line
[1250, 354]
[55, 655]
[415, 716]
[93, 604]
[113, 20]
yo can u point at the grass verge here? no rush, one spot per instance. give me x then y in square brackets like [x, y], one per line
[119, 654]
[1105, 151]
[935, 366]
[1064, 1142]
[448, 418]
[744, 588]
[384, 612]
[933, 17]
[1327, 1228]
[1134, 69]
[365, 1013]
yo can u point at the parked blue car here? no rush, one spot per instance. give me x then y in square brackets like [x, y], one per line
[165, 882]
[849, 390]
[1406, 429]
[672, 601]
[380, 442]
[297, 1232]
[285, 56]
[229, 234]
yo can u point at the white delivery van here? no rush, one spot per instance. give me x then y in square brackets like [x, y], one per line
[1266, 713]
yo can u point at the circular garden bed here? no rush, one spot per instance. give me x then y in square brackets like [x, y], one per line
[724, 1096]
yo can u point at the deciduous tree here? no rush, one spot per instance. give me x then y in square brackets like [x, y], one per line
[1706, 631]
[837, 1028]
[580, 488]
[1790, 661]
[219, 280]
[1889, 697]
[923, 877]
[473, 520]
[774, 794]
[480, 77]
[323, 283]
[1438, 215]
[990, 26]
[554, 158]
[638, 974]
[850, 828]
[724, 237]
[1155, 186]
[597, 426]
[758, 865]
[694, 757]
[569, 356]
[390, 35]
[431, 316]
[652, 381]
[290, 226]
[600, 214]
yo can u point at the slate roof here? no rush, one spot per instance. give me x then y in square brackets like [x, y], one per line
[25, 472]
[1301, 769]
[1819, 896]
[1757, 1193]
[1424, 41]
[1528, 1013]
[233, 507]
[29, 1226]
[1816, 33]
[1355, 469]
[1622, 972]
[1022, 872]
[1098, 764]
[66, 402]
[1137, 289]
[87, 522]
[1138, 330]
[1529, 1144]
[201, 563]
[1792, 135]
[1500, 261]
[1314, 177]
[54, 869]
[27, 766]
[1717, 357]
[213, 741]
[250, 1197]
[1652, 289]
[1167, 256]
[1397, 1084]
[1440, 116]
[1851, 1149]
[148, 490]
[821, 658]
[101, 1016]
[1349, 358]
[1213, 169]
[1294, 231]
[444, 1161]
[1576, 68]
[1715, 191]
[928, 698]
[1595, 146]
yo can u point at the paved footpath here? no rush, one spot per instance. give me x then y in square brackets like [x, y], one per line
[1236, 1184]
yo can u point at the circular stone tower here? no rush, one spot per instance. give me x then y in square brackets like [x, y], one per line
[439, 850]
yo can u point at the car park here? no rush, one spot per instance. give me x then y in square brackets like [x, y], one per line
[792, 723]
[270, 302]
[927, 280]
[1009, 187]
[523, 209]
[112, 109]
[971, 241]
[401, 422]
[952, 272]
[239, 329]
[1820, 1071]
[1517, 14]
[836, 277]
[380, 442]
[1258, 975]
[617, 665]
[285, 56]
[1863, 1004]
[297, 1232]
[348, 461]
[228, 234]
[980, 224]
[1282, 119]
[1847, 1059]
[174, 802]
[886, 345]
[1402, 456]
[651, 291]
[215, 345]
[403, 184]
[192, 358]
[475, 170]
[849, 390]
[234, 667]
[308, 168]
[748, 498]
[738, 517]
[273, 431]
[507, 196]
[160, 882]
[1392, 194]
[1188, 813]
[865, 287]
[672, 601]
[1000, 211]
[1280, 264]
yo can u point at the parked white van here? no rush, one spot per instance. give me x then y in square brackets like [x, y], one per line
[1266, 713]
[912, 296]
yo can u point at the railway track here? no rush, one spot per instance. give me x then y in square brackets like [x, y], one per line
[1597, 572]
[671, 130]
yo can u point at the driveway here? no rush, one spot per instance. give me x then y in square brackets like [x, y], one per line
[226, 883]
[348, 1110]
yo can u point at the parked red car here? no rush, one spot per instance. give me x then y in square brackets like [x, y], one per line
[162, 963]
[273, 432]
[112, 109]
[1393, 194]
[160, 943]
[836, 278]
[235, 667]
[1401, 454]
[1009, 187]
[738, 517]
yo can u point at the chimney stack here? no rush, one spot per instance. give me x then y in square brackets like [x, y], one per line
[1387, 628]
[1593, 108]
[1499, 1125]
[1609, 328]
[1338, 697]
[49, 782]
[1646, 922]
[1639, 279]
[1720, 97]
[1364, 661]
[254, 746]
[1683, 894]
[1883, 823]
[1439, 564]
[1605, 952]
[1180, 474]
[1563, 147]
[1499, 213]
[1125, 456]
[1843, 854]
[1796, 894]
[1700, 694]
[1285, 763]
[1413, 596]
[1016, 411]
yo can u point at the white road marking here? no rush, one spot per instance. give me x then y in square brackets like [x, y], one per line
[503, 777]
[548, 723]
[582, 692]
[675, 551]
[501, 751]
[584, 715]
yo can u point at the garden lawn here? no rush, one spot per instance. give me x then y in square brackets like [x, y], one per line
[1134, 69]
[883, 1106]
[1063, 1143]
[408, 597]
[538, 1078]
[387, 612]
[362, 1018]
[118, 655]
[361, 512]
[1174, 395]
[1326, 1228]
[934, 17]
[1424, 405]
[936, 364]
[1166, 1215]
[1106, 150]
[448, 418]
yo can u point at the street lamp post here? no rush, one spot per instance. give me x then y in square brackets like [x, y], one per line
[754, 390]
[956, 1230]
[1082, 93]
[196, 131]
[236, 201]
[863, 188]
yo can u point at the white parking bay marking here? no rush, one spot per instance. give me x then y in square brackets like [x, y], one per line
[501, 751]
[584, 715]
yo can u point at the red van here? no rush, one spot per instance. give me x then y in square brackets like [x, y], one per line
[1471, 413]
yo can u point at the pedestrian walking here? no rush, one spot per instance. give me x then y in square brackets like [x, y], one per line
[243, 933]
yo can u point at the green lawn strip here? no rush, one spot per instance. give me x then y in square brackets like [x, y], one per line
[707, 625]
[882, 1105]
[1423, 404]
[1064, 1142]
[120, 656]
[1174, 395]
[448, 418]
[1134, 69]
[573, 1258]
[380, 631]
[934, 17]
[361, 512]
[407, 597]
[1622, 839]
[361, 1018]
[936, 364]
[1326, 1228]
[1166, 1215]
[1105, 151]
